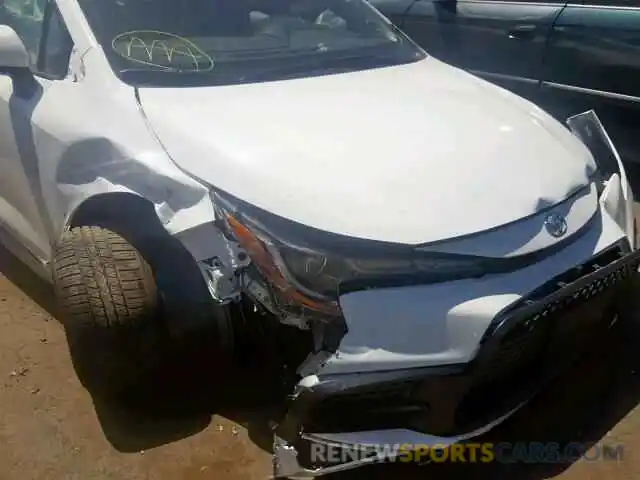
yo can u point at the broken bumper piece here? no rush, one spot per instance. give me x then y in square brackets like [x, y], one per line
[369, 447]
[527, 344]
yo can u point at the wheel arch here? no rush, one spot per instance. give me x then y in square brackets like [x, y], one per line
[170, 256]
[114, 208]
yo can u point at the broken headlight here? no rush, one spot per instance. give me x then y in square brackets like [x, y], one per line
[310, 268]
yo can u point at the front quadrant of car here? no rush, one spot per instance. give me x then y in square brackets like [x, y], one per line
[457, 358]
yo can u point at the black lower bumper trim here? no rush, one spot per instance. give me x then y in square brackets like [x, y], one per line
[527, 344]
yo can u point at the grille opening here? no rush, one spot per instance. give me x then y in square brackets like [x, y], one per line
[574, 274]
[541, 341]
[390, 405]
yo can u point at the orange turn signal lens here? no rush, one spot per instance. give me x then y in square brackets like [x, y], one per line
[264, 261]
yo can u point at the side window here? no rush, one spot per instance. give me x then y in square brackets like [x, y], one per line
[56, 45]
[43, 32]
[26, 17]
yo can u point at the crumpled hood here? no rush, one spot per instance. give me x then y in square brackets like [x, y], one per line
[410, 154]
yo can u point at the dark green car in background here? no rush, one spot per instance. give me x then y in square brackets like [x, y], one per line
[567, 57]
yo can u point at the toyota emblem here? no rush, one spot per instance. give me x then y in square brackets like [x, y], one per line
[556, 225]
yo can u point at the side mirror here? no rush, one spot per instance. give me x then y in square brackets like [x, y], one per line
[13, 53]
[14, 61]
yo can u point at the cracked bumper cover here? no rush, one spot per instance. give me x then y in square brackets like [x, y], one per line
[525, 346]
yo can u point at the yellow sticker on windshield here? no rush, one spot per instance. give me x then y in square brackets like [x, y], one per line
[166, 51]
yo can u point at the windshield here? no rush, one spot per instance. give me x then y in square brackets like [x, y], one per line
[218, 42]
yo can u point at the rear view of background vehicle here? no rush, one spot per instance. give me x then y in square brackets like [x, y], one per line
[567, 56]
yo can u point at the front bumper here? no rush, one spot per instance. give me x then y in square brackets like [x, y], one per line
[526, 345]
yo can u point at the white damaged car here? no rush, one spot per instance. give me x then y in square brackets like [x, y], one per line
[439, 246]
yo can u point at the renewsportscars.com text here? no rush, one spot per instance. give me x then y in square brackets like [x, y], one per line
[524, 452]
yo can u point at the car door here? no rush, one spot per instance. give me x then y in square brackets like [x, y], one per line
[593, 62]
[503, 41]
[394, 10]
[23, 210]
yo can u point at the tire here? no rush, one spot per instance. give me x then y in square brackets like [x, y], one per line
[109, 307]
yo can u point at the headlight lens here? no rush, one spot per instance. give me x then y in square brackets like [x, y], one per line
[328, 275]
[314, 278]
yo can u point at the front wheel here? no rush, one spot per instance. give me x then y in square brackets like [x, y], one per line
[109, 306]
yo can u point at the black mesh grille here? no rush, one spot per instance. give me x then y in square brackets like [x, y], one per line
[534, 337]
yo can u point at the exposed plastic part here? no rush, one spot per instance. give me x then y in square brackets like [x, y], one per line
[259, 293]
[314, 362]
[220, 260]
[287, 465]
[298, 322]
[222, 281]
[617, 195]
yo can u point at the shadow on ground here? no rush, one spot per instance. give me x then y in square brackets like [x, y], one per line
[181, 397]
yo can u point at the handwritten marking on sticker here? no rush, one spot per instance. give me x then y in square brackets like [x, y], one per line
[147, 46]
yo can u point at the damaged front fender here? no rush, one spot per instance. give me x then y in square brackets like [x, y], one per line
[179, 202]
[616, 194]
[87, 154]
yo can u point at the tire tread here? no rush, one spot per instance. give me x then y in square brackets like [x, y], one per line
[101, 279]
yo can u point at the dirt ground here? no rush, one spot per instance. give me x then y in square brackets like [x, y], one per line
[196, 425]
